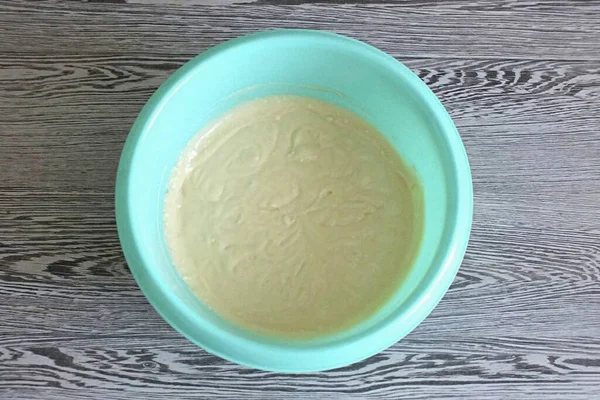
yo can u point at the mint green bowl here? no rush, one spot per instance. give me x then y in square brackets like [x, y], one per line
[333, 68]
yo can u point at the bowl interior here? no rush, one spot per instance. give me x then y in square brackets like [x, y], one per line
[333, 68]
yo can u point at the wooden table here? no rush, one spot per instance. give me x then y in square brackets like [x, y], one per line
[520, 79]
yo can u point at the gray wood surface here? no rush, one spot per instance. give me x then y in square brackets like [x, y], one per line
[520, 79]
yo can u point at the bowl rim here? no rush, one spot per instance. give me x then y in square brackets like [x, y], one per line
[277, 357]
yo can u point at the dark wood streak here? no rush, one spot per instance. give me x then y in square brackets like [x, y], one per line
[522, 83]
[449, 29]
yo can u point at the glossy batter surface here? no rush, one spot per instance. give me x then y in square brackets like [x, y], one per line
[292, 217]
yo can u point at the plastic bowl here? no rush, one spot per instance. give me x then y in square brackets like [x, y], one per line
[334, 68]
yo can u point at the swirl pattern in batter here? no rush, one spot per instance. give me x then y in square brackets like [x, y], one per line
[293, 217]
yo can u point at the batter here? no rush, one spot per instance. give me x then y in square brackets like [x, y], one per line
[293, 217]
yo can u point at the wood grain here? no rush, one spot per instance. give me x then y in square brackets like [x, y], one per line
[451, 29]
[520, 79]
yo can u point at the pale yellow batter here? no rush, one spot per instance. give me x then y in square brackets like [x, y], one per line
[292, 217]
